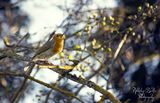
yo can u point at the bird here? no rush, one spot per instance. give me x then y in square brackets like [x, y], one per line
[53, 46]
[50, 48]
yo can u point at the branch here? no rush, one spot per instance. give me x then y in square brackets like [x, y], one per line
[54, 87]
[76, 79]
[88, 83]
[67, 93]
[21, 89]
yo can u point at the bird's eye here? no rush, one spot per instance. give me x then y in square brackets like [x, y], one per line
[60, 36]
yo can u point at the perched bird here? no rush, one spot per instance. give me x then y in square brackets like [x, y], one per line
[50, 48]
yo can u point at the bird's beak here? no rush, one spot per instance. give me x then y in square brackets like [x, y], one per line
[64, 36]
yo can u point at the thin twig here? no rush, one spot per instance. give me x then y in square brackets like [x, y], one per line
[81, 81]
[28, 72]
[47, 97]
[54, 87]
[89, 84]
[21, 89]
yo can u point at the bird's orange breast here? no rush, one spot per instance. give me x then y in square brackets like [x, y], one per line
[58, 47]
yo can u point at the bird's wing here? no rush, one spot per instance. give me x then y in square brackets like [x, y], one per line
[45, 47]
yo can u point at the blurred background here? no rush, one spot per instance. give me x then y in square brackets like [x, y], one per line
[117, 44]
